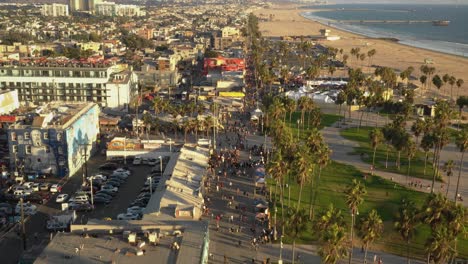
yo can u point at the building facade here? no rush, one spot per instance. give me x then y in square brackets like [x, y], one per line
[55, 10]
[58, 140]
[113, 9]
[42, 82]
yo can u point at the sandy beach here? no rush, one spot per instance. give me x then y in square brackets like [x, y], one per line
[287, 21]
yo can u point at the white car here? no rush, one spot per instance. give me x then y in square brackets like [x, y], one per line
[23, 192]
[122, 175]
[55, 188]
[137, 161]
[61, 198]
[98, 177]
[28, 209]
[35, 187]
[135, 210]
[123, 171]
[28, 185]
[128, 216]
[79, 199]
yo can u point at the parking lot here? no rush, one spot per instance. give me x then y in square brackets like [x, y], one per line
[38, 236]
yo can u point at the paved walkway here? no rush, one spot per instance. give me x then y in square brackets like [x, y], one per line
[342, 149]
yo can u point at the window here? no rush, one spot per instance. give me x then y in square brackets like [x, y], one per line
[15, 149]
[13, 136]
[28, 149]
[59, 136]
[26, 135]
[46, 135]
[47, 149]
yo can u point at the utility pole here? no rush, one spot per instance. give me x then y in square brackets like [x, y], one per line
[214, 126]
[85, 163]
[23, 227]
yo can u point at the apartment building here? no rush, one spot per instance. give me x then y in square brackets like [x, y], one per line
[37, 83]
[56, 138]
[54, 10]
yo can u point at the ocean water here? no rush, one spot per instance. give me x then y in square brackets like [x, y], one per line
[451, 39]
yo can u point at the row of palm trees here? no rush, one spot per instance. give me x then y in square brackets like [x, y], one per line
[435, 136]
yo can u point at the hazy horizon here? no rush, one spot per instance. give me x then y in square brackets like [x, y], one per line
[432, 2]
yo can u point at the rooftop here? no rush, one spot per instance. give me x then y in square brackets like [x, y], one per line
[104, 247]
[54, 114]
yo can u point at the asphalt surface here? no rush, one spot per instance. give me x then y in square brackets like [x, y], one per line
[11, 244]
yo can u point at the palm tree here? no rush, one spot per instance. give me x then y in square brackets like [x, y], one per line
[406, 222]
[417, 128]
[323, 158]
[303, 167]
[295, 224]
[278, 168]
[434, 210]
[427, 143]
[452, 81]
[340, 100]
[448, 169]
[376, 137]
[371, 53]
[457, 219]
[290, 106]
[302, 104]
[438, 246]
[462, 144]
[446, 78]
[423, 80]
[370, 228]
[461, 102]
[333, 242]
[328, 217]
[410, 149]
[400, 140]
[437, 81]
[354, 197]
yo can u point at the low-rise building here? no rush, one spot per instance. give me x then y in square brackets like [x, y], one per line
[58, 138]
[8, 102]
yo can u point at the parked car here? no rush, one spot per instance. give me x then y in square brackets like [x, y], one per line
[114, 183]
[137, 161]
[122, 170]
[28, 209]
[135, 210]
[128, 216]
[61, 198]
[109, 187]
[109, 166]
[144, 160]
[153, 161]
[81, 207]
[55, 188]
[35, 186]
[79, 199]
[44, 186]
[117, 178]
[101, 177]
[28, 185]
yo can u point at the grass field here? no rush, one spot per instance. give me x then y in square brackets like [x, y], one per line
[362, 137]
[382, 195]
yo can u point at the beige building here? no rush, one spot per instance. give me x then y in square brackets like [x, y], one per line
[54, 10]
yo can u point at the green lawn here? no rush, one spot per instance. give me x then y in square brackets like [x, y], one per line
[327, 120]
[362, 137]
[382, 195]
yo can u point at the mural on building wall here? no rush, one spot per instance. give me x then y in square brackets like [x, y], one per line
[42, 159]
[81, 136]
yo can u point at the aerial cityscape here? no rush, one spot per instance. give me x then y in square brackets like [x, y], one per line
[235, 131]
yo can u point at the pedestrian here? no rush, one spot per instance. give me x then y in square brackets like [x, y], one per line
[232, 218]
[230, 184]
[238, 191]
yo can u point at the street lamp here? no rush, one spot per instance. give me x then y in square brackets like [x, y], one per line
[160, 165]
[91, 190]
[298, 122]
[150, 184]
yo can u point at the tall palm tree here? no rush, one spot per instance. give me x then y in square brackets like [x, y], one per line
[410, 149]
[427, 143]
[376, 137]
[462, 144]
[457, 220]
[333, 244]
[438, 246]
[452, 81]
[459, 84]
[354, 197]
[400, 140]
[370, 228]
[303, 167]
[327, 217]
[278, 168]
[340, 100]
[448, 169]
[437, 81]
[323, 158]
[295, 224]
[435, 208]
[417, 128]
[302, 104]
[290, 106]
[406, 222]
[461, 102]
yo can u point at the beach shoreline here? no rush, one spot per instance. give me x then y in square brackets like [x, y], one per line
[288, 20]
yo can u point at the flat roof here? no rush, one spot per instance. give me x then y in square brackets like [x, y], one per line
[103, 247]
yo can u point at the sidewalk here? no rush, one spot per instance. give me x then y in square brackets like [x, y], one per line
[342, 148]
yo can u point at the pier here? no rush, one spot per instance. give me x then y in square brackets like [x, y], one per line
[383, 21]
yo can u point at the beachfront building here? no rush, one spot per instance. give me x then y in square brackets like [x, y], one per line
[54, 10]
[56, 138]
[40, 82]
